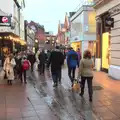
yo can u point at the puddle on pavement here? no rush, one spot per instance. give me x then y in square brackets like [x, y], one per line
[59, 109]
[48, 100]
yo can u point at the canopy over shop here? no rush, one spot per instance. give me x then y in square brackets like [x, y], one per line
[9, 42]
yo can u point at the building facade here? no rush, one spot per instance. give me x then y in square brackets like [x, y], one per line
[12, 36]
[108, 37]
[63, 36]
[29, 37]
[39, 34]
[83, 28]
[50, 41]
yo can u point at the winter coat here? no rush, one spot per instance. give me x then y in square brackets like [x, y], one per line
[18, 66]
[42, 58]
[23, 60]
[56, 60]
[86, 68]
[9, 68]
[31, 58]
[72, 59]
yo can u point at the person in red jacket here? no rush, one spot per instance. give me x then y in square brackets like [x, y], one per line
[25, 66]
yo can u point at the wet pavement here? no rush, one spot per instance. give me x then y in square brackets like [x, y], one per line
[38, 100]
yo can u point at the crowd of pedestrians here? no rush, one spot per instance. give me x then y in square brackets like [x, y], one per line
[16, 66]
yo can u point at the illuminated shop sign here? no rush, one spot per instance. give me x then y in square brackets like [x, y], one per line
[5, 20]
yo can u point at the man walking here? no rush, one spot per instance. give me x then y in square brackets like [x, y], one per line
[72, 62]
[56, 60]
[42, 59]
[31, 58]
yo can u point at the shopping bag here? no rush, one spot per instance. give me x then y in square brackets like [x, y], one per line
[2, 75]
[76, 86]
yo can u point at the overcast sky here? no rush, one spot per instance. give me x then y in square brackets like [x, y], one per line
[49, 12]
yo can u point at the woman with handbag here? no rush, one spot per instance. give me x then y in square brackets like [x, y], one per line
[85, 71]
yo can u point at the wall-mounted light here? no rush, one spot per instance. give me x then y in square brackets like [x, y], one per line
[36, 41]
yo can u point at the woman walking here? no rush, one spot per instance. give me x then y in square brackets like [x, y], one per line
[25, 66]
[85, 71]
[9, 65]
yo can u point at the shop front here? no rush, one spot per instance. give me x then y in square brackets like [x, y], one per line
[76, 45]
[108, 37]
[10, 43]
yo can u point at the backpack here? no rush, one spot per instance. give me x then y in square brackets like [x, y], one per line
[25, 65]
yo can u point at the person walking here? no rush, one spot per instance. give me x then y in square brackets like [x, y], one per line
[37, 59]
[25, 66]
[42, 59]
[9, 65]
[31, 58]
[56, 61]
[48, 55]
[72, 62]
[19, 66]
[85, 71]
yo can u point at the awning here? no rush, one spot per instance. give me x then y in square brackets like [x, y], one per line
[11, 36]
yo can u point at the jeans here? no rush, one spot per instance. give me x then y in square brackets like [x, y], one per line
[71, 73]
[42, 68]
[89, 82]
[32, 67]
[56, 76]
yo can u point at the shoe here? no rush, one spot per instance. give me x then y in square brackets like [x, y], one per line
[81, 94]
[25, 82]
[59, 82]
[90, 99]
[55, 85]
[72, 85]
[10, 82]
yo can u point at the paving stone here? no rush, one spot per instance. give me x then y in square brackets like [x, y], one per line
[38, 100]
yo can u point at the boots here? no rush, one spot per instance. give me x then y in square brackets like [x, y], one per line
[9, 82]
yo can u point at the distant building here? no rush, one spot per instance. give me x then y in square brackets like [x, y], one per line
[39, 33]
[50, 41]
[29, 37]
[83, 27]
[63, 36]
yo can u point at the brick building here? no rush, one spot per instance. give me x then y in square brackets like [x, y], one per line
[39, 33]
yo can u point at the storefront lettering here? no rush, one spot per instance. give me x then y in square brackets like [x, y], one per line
[115, 10]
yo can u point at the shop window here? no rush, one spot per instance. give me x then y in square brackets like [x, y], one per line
[105, 50]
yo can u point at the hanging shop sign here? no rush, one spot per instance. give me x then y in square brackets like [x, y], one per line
[115, 10]
[109, 22]
[5, 20]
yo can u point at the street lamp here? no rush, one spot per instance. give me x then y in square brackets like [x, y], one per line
[36, 45]
[36, 41]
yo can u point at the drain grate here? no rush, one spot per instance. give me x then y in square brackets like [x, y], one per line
[97, 88]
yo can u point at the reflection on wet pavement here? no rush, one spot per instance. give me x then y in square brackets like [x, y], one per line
[62, 101]
[38, 100]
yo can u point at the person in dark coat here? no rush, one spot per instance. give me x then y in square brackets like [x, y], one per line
[31, 58]
[18, 67]
[42, 59]
[56, 61]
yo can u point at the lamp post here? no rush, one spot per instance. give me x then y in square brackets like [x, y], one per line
[36, 45]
